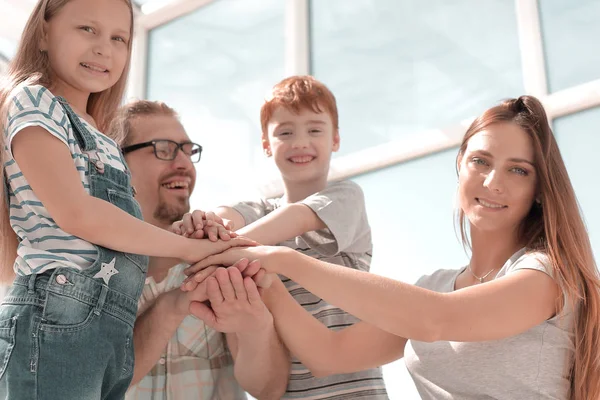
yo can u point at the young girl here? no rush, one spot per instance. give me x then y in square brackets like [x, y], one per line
[520, 321]
[66, 323]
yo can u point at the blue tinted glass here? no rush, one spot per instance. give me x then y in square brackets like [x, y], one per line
[400, 67]
[578, 138]
[214, 66]
[571, 32]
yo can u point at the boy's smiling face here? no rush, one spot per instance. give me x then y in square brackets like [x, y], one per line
[301, 144]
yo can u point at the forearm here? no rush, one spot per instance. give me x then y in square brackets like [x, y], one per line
[261, 362]
[305, 337]
[402, 309]
[152, 332]
[283, 224]
[324, 351]
[111, 227]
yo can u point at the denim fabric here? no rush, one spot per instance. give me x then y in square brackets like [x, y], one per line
[68, 334]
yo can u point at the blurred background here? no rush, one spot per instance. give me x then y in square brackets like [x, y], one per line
[409, 76]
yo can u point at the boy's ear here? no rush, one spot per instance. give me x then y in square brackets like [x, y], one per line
[266, 147]
[336, 140]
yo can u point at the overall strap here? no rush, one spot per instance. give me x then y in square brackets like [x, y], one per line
[82, 134]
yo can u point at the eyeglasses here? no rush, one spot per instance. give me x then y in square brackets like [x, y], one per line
[167, 149]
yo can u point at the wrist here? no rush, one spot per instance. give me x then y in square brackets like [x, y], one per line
[281, 259]
[171, 306]
[260, 333]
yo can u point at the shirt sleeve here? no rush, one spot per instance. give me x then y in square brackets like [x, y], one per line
[537, 261]
[341, 207]
[252, 211]
[36, 106]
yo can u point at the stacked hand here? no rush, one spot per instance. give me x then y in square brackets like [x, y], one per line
[201, 225]
[215, 234]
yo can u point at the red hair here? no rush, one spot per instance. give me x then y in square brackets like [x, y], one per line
[296, 93]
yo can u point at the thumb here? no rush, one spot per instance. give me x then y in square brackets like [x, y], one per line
[203, 312]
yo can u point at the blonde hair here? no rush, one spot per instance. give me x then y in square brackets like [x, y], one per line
[30, 66]
[556, 228]
[121, 125]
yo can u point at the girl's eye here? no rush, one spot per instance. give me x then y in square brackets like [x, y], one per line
[87, 29]
[119, 39]
[284, 133]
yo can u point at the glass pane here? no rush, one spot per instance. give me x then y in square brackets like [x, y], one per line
[411, 212]
[400, 67]
[214, 66]
[570, 31]
[578, 138]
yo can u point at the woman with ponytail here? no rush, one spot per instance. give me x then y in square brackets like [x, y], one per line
[520, 321]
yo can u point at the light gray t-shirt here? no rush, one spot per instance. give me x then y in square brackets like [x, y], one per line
[346, 241]
[532, 365]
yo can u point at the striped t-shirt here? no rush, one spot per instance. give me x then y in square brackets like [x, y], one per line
[43, 244]
[346, 241]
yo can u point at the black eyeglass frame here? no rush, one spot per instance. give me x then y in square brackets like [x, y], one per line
[179, 147]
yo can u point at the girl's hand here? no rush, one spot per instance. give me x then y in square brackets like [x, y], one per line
[201, 249]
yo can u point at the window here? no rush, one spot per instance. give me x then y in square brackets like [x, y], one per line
[398, 68]
[570, 32]
[215, 66]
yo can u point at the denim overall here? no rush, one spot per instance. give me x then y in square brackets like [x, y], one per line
[67, 334]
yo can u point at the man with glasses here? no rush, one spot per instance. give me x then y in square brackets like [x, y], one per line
[176, 355]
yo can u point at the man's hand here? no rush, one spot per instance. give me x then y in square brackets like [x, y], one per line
[200, 225]
[235, 304]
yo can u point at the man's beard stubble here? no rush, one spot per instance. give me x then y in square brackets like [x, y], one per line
[170, 213]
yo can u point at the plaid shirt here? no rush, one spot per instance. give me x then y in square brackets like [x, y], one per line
[196, 363]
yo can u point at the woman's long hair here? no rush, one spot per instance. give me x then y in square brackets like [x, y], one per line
[30, 66]
[556, 228]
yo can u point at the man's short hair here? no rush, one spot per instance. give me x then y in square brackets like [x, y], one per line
[120, 126]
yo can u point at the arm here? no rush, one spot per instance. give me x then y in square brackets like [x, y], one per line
[326, 352]
[43, 157]
[495, 310]
[261, 361]
[157, 325]
[280, 225]
[152, 332]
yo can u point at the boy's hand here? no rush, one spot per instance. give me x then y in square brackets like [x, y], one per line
[235, 304]
[200, 224]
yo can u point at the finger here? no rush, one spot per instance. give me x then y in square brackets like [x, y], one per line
[235, 277]
[241, 265]
[211, 231]
[265, 280]
[198, 234]
[225, 284]
[213, 291]
[188, 223]
[228, 224]
[211, 216]
[198, 219]
[188, 285]
[252, 291]
[203, 312]
[223, 233]
[176, 227]
[253, 268]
